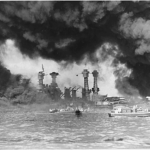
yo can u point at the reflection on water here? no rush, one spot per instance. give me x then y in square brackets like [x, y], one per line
[93, 130]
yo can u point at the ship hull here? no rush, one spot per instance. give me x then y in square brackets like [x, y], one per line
[141, 114]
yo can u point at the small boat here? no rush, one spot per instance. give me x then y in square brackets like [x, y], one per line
[60, 111]
[129, 112]
[53, 110]
[78, 113]
[103, 104]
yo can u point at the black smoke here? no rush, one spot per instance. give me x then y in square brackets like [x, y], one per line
[7, 79]
[67, 30]
[5, 76]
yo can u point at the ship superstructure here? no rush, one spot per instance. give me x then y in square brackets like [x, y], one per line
[41, 75]
[70, 93]
[95, 89]
[85, 90]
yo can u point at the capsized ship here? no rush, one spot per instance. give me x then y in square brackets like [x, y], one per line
[129, 111]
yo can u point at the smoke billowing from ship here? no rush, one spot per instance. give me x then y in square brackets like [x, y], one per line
[109, 71]
[70, 34]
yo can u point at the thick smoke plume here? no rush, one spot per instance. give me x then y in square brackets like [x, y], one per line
[104, 62]
[67, 33]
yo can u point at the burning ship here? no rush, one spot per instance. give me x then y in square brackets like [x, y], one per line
[70, 93]
[100, 100]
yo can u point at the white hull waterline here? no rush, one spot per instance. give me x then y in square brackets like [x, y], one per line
[144, 114]
[129, 112]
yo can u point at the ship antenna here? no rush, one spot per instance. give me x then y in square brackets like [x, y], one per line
[42, 68]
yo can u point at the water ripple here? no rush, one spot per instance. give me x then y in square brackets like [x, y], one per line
[37, 130]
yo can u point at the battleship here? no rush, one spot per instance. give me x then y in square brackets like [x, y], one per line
[70, 94]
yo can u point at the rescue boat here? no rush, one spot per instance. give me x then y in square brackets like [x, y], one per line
[129, 112]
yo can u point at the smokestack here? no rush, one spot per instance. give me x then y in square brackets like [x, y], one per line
[74, 91]
[54, 75]
[67, 95]
[85, 90]
[41, 75]
[95, 89]
[74, 94]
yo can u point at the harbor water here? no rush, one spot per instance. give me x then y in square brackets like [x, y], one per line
[42, 130]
